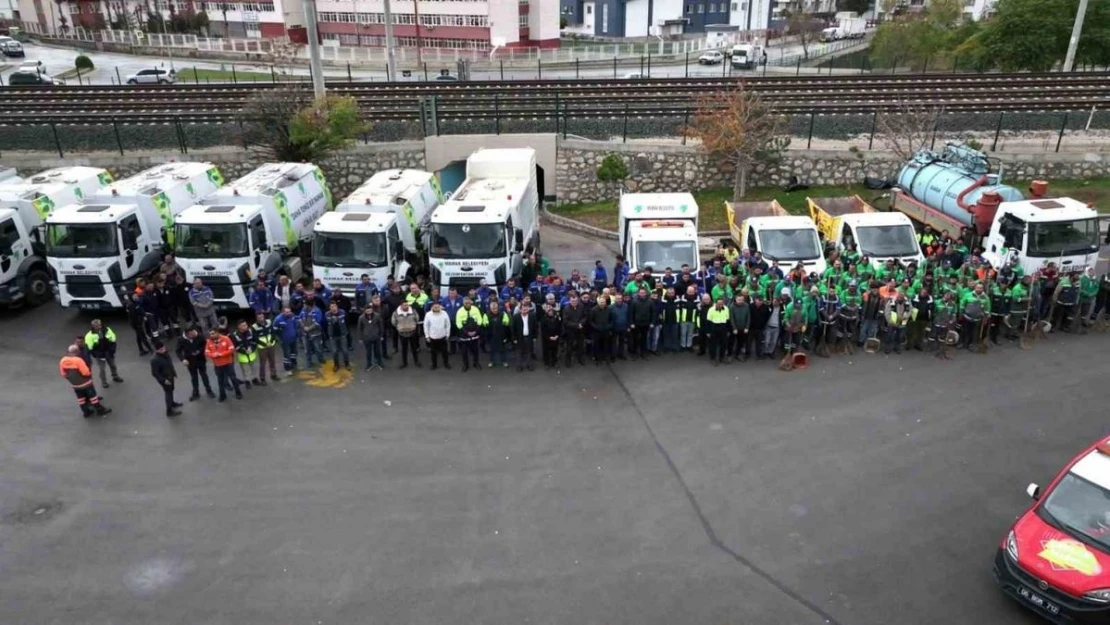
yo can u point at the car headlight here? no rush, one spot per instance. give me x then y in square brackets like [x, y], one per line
[1098, 596]
[1011, 546]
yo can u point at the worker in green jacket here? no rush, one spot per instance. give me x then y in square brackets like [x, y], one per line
[101, 343]
[1088, 294]
[975, 306]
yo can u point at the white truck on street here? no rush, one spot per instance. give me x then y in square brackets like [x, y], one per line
[262, 221]
[879, 235]
[120, 233]
[24, 206]
[376, 230]
[659, 230]
[746, 56]
[490, 222]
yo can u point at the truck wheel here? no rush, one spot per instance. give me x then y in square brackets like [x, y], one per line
[38, 288]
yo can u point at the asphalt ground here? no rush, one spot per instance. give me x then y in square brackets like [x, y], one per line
[865, 490]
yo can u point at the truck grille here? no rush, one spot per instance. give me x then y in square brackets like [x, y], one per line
[464, 284]
[221, 287]
[84, 286]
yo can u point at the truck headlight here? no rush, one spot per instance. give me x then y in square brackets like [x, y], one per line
[1098, 596]
[1011, 546]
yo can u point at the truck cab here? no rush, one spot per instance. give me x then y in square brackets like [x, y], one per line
[121, 232]
[1064, 231]
[259, 222]
[788, 240]
[880, 236]
[659, 230]
[376, 230]
[746, 55]
[489, 224]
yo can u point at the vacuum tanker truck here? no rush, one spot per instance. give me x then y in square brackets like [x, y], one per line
[961, 188]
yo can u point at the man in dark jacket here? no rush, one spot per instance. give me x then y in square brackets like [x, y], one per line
[190, 350]
[919, 328]
[641, 317]
[601, 323]
[620, 310]
[525, 328]
[498, 330]
[669, 318]
[574, 320]
[161, 367]
[741, 318]
[761, 315]
[390, 303]
[550, 329]
[370, 333]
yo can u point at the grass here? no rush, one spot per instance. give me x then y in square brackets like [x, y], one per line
[711, 205]
[192, 75]
[1094, 190]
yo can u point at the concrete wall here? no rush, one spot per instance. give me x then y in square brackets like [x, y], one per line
[442, 150]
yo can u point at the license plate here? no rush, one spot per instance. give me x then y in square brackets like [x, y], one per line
[88, 305]
[1038, 600]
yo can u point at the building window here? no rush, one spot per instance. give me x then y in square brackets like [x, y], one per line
[689, 8]
[604, 18]
[734, 6]
[589, 9]
[522, 21]
[699, 8]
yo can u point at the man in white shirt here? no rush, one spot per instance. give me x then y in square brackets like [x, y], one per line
[437, 327]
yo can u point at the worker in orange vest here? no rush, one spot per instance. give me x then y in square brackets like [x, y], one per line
[76, 371]
[221, 351]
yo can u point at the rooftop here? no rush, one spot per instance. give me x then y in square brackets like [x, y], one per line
[155, 179]
[392, 187]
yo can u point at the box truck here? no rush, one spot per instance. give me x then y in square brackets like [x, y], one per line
[262, 221]
[881, 236]
[490, 222]
[659, 230]
[376, 230]
[24, 207]
[120, 233]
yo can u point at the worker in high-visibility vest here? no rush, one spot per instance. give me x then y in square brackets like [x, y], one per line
[898, 315]
[76, 371]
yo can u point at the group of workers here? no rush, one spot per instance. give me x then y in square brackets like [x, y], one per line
[735, 307]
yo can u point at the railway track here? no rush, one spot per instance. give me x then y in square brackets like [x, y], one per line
[571, 99]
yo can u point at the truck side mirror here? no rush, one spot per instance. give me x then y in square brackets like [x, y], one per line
[518, 241]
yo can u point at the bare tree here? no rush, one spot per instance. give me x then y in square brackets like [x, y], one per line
[805, 28]
[737, 128]
[907, 129]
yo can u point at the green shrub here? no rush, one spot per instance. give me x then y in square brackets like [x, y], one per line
[83, 63]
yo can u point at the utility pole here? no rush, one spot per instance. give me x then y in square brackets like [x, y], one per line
[314, 63]
[416, 19]
[1076, 29]
[390, 60]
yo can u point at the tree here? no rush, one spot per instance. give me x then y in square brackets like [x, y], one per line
[922, 39]
[1032, 35]
[805, 28]
[908, 129]
[738, 129]
[288, 125]
[612, 170]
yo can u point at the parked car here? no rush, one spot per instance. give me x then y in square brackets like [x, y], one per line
[11, 47]
[446, 78]
[21, 78]
[712, 57]
[634, 76]
[153, 76]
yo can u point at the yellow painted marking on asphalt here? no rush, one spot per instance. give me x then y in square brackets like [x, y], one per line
[325, 377]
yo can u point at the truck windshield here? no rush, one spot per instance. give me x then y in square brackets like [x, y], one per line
[886, 241]
[792, 244]
[212, 240]
[1082, 509]
[1061, 238]
[468, 240]
[9, 234]
[349, 249]
[662, 254]
[81, 240]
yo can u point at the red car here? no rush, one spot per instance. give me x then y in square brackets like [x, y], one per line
[1056, 558]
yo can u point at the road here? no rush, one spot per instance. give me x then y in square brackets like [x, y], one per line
[866, 490]
[111, 67]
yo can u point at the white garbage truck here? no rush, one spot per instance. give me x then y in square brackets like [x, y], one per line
[376, 231]
[118, 234]
[659, 230]
[490, 222]
[262, 221]
[24, 207]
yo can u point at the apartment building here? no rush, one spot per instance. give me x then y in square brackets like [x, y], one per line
[663, 18]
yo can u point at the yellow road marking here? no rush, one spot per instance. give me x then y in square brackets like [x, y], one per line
[325, 377]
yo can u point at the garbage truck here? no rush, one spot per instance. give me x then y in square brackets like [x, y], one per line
[376, 231]
[120, 233]
[961, 187]
[489, 223]
[881, 236]
[24, 206]
[659, 231]
[766, 227]
[262, 221]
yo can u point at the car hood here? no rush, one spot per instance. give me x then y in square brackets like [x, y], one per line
[1057, 558]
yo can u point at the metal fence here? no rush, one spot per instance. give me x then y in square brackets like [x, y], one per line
[1013, 132]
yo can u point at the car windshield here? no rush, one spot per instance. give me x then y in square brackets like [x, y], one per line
[211, 240]
[884, 241]
[1082, 508]
[468, 240]
[658, 255]
[790, 244]
[81, 240]
[349, 249]
[1061, 238]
